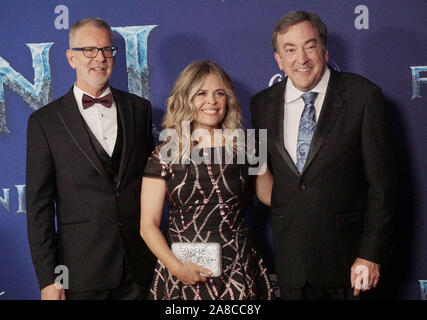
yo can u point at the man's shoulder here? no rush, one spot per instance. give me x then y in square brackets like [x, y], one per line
[130, 97]
[269, 92]
[353, 80]
[49, 109]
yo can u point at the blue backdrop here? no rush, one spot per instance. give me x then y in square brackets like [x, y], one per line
[383, 40]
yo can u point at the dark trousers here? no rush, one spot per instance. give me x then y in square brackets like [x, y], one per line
[308, 292]
[127, 290]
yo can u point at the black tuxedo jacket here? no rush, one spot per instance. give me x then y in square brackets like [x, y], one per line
[76, 215]
[339, 208]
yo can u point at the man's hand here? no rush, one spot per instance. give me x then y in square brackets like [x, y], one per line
[52, 292]
[364, 275]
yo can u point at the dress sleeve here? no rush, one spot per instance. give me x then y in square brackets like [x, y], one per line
[156, 167]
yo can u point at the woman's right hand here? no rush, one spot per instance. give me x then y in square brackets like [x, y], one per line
[190, 273]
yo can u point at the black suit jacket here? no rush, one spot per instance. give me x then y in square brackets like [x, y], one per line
[339, 208]
[76, 216]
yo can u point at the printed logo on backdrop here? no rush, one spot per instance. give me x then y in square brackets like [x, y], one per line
[5, 199]
[423, 289]
[38, 93]
[417, 80]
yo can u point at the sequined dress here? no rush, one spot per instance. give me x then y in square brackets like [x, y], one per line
[206, 202]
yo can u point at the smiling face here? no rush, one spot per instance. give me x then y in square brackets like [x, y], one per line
[210, 102]
[93, 74]
[301, 55]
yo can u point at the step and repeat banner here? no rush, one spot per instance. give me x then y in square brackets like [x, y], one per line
[383, 40]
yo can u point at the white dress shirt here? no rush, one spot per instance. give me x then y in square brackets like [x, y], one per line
[101, 121]
[294, 105]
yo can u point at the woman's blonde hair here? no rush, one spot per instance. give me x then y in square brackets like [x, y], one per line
[180, 107]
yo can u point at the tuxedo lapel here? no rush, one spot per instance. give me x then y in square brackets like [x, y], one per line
[126, 113]
[277, 120]
[69, 115]
[330, 110]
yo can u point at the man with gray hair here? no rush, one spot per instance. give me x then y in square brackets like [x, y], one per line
[329, 153]
[86, 153]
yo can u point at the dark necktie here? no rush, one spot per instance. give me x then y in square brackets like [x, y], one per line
[88, 101]
[306, 128]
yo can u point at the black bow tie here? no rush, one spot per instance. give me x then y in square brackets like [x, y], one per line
[88, 101]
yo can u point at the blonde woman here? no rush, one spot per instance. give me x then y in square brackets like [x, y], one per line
[205, 193]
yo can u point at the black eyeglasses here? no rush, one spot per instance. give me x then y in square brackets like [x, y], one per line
[92, 52]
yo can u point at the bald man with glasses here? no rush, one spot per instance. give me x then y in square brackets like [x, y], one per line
[86, 153]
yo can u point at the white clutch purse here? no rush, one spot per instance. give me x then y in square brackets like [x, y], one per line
[205, 254]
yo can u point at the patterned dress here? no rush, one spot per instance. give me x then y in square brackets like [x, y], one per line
[205, 202]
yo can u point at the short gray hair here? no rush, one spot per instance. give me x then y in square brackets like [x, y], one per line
[294, 18]
[96, 22]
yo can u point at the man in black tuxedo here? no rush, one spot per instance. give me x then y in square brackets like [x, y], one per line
[329, 154]
[86, 153]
